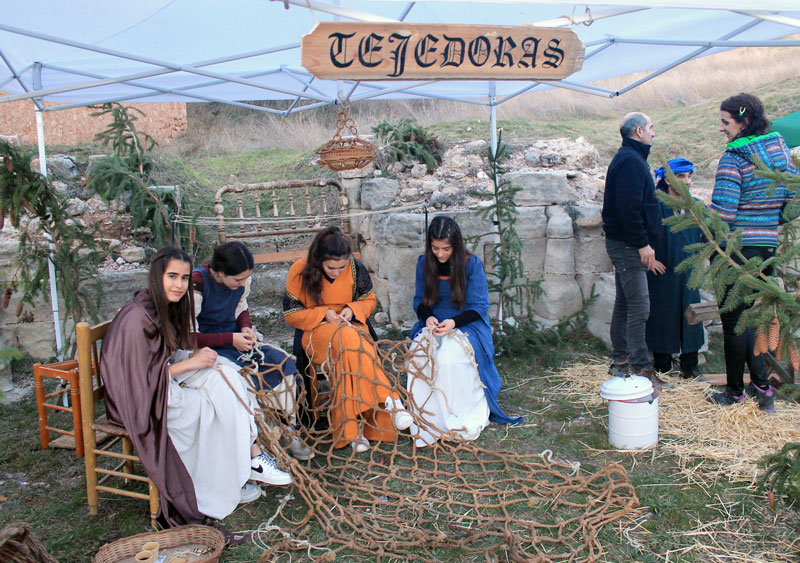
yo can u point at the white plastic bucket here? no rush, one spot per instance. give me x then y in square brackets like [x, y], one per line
[632, 412]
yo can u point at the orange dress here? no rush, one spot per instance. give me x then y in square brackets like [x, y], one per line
[359, 386]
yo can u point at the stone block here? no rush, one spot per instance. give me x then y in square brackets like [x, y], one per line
[58, 166]
[606, 293]
[133, 254]
[379, 193]
[381, 288]
[430, 186]
[559, 226]
[561, 297]
[560, 256]
[600, 330]
[531, 222]
[419, 170]
[591, 255]
[588, 216]
[352, 188]
[370, 256]
[398, 265]
[533, 255]
[399, 229]
[479, 146]
[269, 285]
[586, 281]
[401, 302]
[547, 187]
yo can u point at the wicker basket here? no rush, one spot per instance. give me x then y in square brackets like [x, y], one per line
[174, 537]
[346, 153]
[18, 545]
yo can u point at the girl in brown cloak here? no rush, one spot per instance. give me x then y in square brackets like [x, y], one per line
[193, 435]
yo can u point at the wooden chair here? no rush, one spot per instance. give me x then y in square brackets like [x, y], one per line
[99, 429]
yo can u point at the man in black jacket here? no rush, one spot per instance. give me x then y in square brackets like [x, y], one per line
[631, 221]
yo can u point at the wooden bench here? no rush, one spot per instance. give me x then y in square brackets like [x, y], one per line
[322, 202]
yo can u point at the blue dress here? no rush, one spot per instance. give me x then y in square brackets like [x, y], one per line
[479, 332]
[668, 331]
[217, 315]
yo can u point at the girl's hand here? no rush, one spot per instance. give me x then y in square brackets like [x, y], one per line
[243, 342]
[203, 358]
[346, 314]
[444, 327]
[333, 317]
[250, 332]
[431, 322]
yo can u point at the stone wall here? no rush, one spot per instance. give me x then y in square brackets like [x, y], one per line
[559, 222]
[75, 126]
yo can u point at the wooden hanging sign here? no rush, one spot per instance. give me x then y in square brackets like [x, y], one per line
[418, 51]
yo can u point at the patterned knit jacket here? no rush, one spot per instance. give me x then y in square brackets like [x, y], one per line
[744, 199]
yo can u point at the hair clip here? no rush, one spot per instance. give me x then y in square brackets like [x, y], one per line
[742, 109]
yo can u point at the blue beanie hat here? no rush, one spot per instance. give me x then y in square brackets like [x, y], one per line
[677, 165]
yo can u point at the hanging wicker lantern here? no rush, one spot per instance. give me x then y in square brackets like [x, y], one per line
[346, 153]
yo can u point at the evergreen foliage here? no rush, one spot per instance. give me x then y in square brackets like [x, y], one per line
[62, 240]
[782, 473]
[506, 275]
[407, 142]
[128, 172]
[718, 263]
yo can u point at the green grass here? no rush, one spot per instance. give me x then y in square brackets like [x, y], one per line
[46, 489]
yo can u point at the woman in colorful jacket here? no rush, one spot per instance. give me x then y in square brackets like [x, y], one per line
[752, 204]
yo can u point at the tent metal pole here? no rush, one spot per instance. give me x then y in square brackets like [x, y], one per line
[493, 116]
[51, 268]
[694, 54]
[338, 11]
[776, 18]
[166, 68]
[181, 91]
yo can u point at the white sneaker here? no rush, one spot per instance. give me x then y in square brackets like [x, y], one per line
[401, 418]
[250, 492]
[265, 469]
[360, 444]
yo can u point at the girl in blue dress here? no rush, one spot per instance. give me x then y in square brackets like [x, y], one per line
[221, 288]
[454, 382]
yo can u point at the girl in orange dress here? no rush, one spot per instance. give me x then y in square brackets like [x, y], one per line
[329, 298]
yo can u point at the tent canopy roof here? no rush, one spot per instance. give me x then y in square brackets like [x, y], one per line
[86, 52]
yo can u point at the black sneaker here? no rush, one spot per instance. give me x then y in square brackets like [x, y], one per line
[764, 397]
[652, 375]
[726, 398]
[619, 369]
[693, 373]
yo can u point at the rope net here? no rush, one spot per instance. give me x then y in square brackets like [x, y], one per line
[396, 500]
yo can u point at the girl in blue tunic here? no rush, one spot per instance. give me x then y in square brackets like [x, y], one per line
[221, 288]
[455, 382]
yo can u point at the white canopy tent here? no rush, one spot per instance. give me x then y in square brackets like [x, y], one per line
[88, 52]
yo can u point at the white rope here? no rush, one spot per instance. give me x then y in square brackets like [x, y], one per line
[189, 220]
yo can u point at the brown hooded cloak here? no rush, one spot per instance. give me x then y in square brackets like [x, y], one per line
[134, 362]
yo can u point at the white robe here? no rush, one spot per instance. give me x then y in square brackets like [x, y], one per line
[212, 432]
[446, 389]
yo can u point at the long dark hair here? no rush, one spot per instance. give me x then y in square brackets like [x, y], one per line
[747, 109]
[177, 319]
[329, 244]
[445, 228]
[231, 259]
